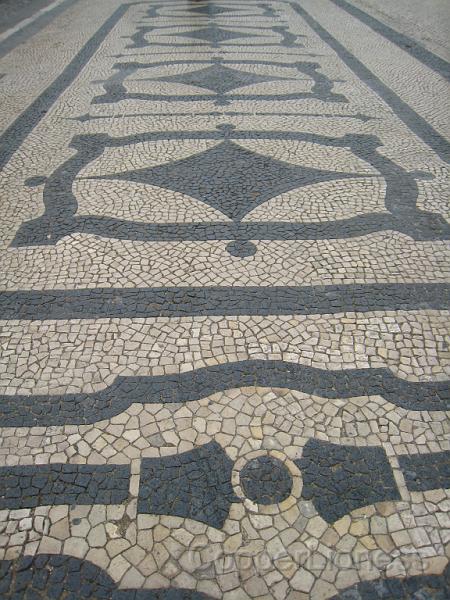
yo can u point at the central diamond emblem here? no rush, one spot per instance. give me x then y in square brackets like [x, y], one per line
[210, 9]
[219, 79]
[229, 178]
[214, 34]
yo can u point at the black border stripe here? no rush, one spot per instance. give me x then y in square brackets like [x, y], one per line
[406, 43]
[28, 31]
[17, 132]
[402, 110]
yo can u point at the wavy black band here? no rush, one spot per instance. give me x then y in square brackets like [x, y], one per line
[24, 410]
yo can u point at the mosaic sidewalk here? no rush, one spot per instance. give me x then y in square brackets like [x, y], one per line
[224, 303]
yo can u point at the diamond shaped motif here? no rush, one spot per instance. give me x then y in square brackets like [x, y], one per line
[219, 79]
[229, 178]
[214, 34]
[210, 9]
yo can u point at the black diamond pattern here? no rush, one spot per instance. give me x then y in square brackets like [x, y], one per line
[215, 34]
[219, 79]
[210, 9]
[229, 178]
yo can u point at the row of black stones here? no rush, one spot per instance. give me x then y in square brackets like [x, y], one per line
[29, 486]
[336, 478]
[99, 303]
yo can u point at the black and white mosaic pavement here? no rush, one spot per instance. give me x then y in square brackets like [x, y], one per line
[224, 301]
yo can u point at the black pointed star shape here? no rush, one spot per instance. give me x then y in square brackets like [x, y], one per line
[210, 9]
[219, 78]
[229, 178]
[214, 34]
